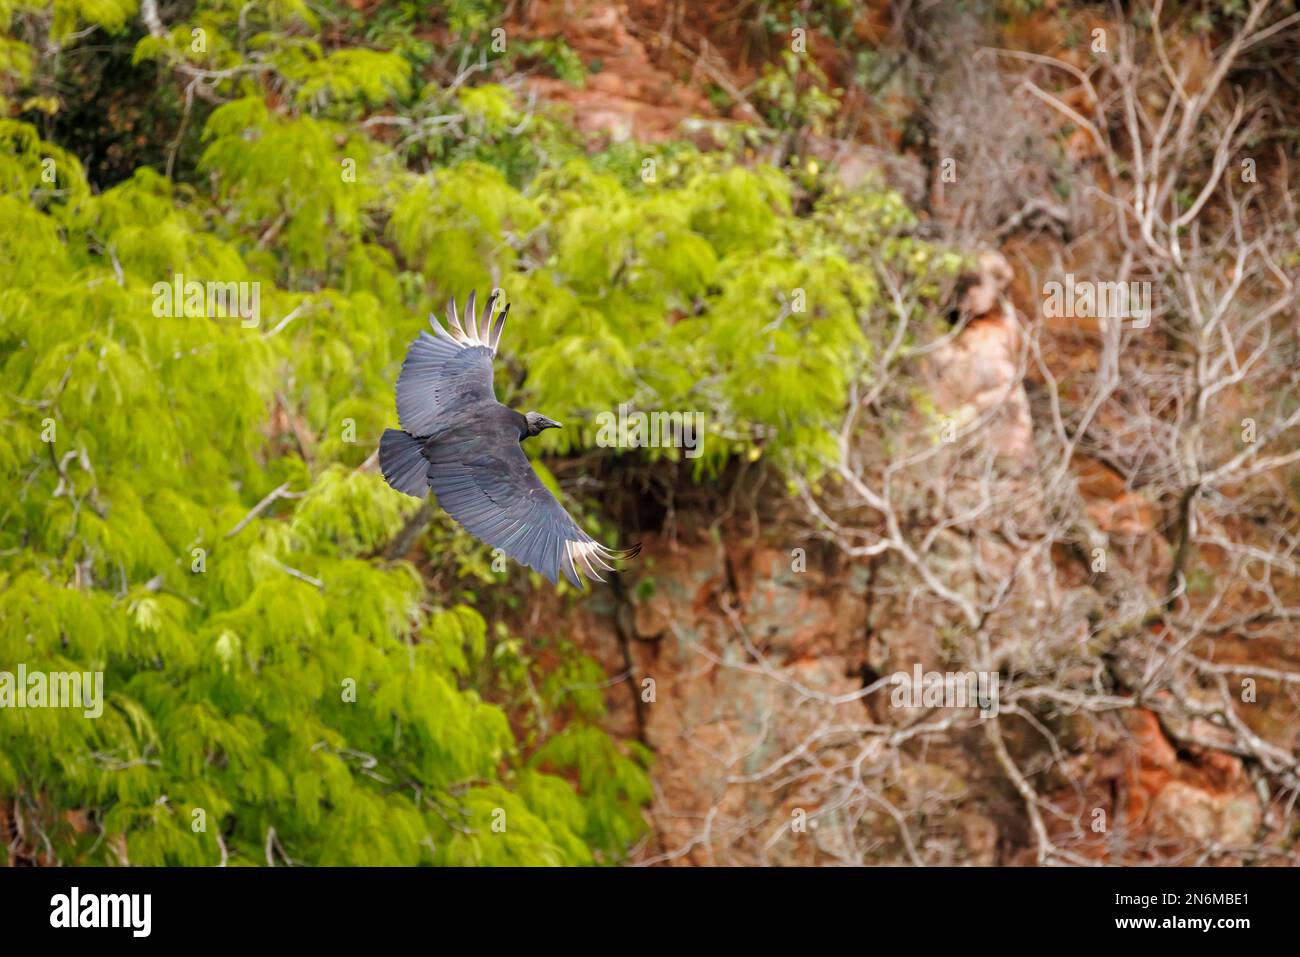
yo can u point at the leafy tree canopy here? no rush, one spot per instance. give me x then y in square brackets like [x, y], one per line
[188, 507]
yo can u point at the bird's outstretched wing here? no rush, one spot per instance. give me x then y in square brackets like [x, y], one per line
[489, 487]
[449, 369]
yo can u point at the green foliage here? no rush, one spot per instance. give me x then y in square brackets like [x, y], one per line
[833, 17]
[681, 295]
[191, 507]
[795, 94]
[59, 21]
[344, 76]
[265, 672]
[558, 56]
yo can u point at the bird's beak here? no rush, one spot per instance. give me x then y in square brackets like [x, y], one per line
[550, 424]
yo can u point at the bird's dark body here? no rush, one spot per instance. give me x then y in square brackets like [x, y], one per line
[459, 442]
[485, 425]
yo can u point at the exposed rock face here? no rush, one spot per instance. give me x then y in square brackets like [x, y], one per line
[980, 373]
[1205, 798]
[1206, 817]
[749, 653]
[984, 289]
[769, 747]
[752, 659]
[722, 720]
[629, 97]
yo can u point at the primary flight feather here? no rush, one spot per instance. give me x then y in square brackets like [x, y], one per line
[458, 440]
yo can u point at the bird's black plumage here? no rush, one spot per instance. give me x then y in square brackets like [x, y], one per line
[459, 441]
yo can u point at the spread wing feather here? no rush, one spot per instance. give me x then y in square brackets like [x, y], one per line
[445, 370]
[493, 492]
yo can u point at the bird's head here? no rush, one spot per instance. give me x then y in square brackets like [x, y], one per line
[537, 423]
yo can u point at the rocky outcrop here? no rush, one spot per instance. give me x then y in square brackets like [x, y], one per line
[747, 675]
[625, 96]
[979, 374]
[759, 671]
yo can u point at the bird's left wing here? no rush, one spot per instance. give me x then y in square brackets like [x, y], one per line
[495, 494]
[449, 369]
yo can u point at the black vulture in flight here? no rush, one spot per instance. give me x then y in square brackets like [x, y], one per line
[459, 441]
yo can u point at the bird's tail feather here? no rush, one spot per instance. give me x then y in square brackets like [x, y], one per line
[404, 468]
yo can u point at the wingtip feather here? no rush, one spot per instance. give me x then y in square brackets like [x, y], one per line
[453, 320]
[500, 325]
[471, 319]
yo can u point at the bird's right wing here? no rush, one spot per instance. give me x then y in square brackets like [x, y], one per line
[448, 369]
[487, 485]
